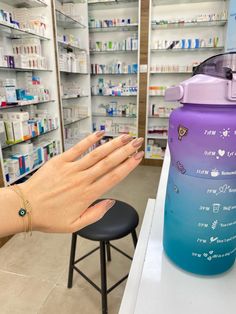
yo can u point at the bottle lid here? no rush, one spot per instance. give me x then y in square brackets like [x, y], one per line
[213, 83]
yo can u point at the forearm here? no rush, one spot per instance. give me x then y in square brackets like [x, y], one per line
[10, 221]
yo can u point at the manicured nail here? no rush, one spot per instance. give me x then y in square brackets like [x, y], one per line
[126, 138]
[138, 142]
[100, 133]
[110, 204]
[139, 155]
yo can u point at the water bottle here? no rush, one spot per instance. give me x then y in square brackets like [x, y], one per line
[200, 207]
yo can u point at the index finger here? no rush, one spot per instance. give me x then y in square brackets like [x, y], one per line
[76, 151]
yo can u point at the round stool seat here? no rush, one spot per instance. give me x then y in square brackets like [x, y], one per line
[118, 222]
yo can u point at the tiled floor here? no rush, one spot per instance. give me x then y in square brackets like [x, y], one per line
[33, 271]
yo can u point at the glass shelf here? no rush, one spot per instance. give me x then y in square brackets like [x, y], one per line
[25, 3]
[67, 72]
[157, 73]
[185, 50]
[73, 97]
[15, 33]
[168, 2]
[111, 4]
[112, 51]
[114, 96]
[75, 121]
[174, 25]
[97, 74]
[156, 136]
[23, 69]
[26, 104]
[97, 115]
[125, 28]
[72, 1]
[156, 95]
[10, 145]
[68, 46]
[66, 21]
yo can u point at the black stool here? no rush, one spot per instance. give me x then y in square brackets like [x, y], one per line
[118, 222]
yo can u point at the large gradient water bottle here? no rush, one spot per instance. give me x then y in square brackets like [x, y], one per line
[200, 208]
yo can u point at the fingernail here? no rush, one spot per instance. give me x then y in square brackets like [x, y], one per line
[126, 138]
[110, 204]
[139, 155]
[138, 142]
[99, 133]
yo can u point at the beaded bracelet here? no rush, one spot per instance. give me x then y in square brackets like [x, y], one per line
[25, 210]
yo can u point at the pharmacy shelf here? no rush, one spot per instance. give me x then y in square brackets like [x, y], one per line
[96, 115]
[68, 72]
[21, 104]
[111, 4]
[168, 2]
[157, 73]
[16, 33]
[120, 28]
[92, 52]
[114, 95]
[173, 25]
[73, 97]
[188, 50]
[67, 22]
[156, 136]
[98, 74]
[24, 69]
[25, 174]
[69, 46]
[72, 1]
[13, 144]
[75, 121]
[25, 3]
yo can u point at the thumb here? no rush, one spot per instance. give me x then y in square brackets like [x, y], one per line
[93, 214]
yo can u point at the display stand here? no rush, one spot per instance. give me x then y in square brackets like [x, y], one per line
[73, 60]
[114, 53]
[182, 35]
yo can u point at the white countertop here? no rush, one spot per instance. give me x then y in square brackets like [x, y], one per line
[156, 286]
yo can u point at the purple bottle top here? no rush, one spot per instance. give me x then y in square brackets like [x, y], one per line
[213, 83]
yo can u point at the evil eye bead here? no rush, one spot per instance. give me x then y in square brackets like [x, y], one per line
[22, 212]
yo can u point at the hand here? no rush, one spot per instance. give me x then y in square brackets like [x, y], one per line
[62, 191]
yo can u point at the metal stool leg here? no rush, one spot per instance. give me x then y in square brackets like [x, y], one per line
[134, 237]
[108, 251]
[103, 277]
[72, 259]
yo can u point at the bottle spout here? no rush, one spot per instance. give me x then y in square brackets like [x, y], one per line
[174, 93]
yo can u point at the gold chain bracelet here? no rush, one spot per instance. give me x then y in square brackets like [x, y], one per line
[25, 210]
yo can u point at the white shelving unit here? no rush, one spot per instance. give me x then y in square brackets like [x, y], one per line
[180, 33]
[43, 130]
[111, 21]
[73, 56]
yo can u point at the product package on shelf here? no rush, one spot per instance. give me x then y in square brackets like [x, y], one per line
[128, 44]
[115, 67]
[154, 150]
[96, 23]
[22, 126]
[74, 113]
[114, 129]
[157, 90]
[25, 89]
[116, 109]
[157, 110]
[170, 68]
[187, 43]
[70, 89]
[75, 62]
[109, 88]
[25, 157]
[70, 10]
